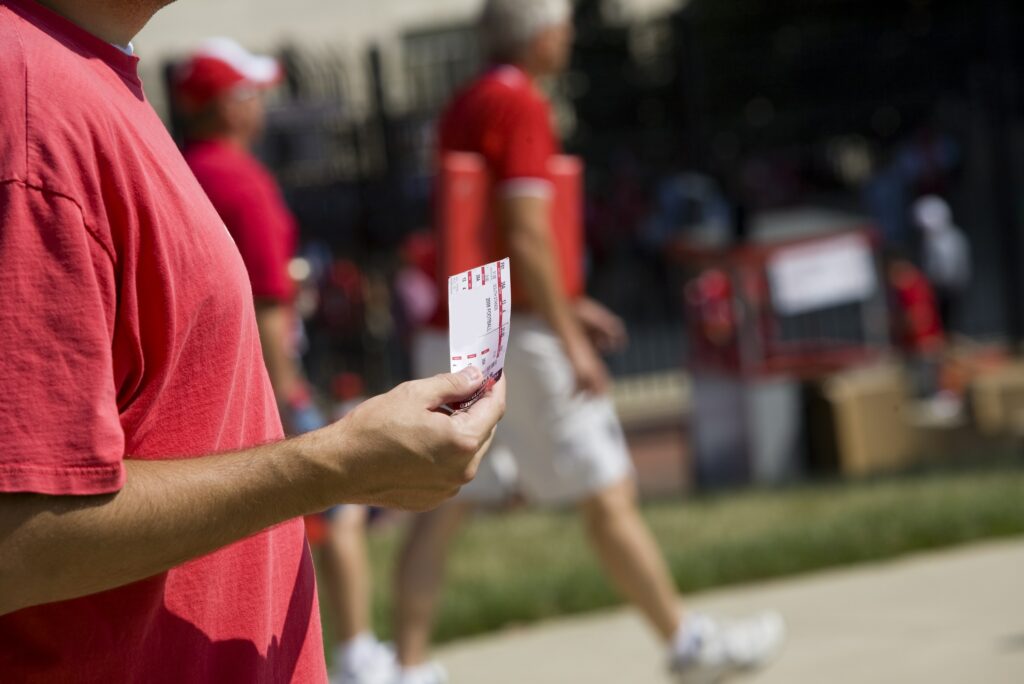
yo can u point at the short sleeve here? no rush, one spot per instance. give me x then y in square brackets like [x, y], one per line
[263, 230]
[528, 143]
[58, 405]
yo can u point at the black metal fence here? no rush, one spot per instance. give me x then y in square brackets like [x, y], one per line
[756, 95]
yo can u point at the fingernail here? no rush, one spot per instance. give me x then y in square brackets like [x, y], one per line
[471, 373]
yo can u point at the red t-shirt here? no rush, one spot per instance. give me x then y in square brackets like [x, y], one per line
[503, 117]
[128, 331]
[249, 200]
[506, 119]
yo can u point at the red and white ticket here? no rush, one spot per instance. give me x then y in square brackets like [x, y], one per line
[478, 322]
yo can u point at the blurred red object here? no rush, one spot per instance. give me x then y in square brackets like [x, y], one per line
[419, 250]
[414, 283]
[342, 297]
[756, 310]
[316, 529]
[465, 235]
[347, 386]
[918, 325]
[709, 296]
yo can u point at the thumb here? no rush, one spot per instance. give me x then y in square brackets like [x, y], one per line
[485, 414]
[450, 387]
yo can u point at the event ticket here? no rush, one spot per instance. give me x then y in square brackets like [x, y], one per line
[478, 322]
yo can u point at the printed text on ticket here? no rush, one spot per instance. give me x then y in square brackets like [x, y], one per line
[478, 322]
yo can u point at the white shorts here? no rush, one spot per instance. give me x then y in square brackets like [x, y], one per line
[553, 446]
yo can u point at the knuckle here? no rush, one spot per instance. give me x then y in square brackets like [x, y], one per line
[403, 390]
[459, 440]
[466, 444]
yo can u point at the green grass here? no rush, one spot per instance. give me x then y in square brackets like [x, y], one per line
[528, 565]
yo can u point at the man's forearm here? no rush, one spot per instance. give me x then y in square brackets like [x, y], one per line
[57, 548]
[394, 450]
[532, 247]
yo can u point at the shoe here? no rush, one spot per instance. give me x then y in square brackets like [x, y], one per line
[428, 673]
[375, 664]
[721, 650]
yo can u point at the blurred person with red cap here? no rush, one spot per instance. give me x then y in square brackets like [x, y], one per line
[220, 91]
[561, 441]
[150, 511]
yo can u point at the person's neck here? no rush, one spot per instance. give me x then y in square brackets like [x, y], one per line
[115, 21]
[532, 68]
[236, 140]
[240, 140]
[532, 73]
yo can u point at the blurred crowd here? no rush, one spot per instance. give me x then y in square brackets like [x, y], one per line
[365, 242]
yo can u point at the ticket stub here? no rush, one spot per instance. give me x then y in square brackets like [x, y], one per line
[478, 322]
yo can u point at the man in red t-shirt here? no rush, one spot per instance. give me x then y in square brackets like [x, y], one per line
[561, 441]
[150, 524]
[219, 90]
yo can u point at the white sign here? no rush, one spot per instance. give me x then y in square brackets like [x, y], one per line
[827, 273]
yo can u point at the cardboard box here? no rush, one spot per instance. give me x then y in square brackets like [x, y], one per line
[859, 421]
[997, 400]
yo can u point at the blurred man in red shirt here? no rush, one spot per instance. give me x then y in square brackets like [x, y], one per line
[150, 512]
[220, 91]
[917, 323]
[562, 441]
[919, 333]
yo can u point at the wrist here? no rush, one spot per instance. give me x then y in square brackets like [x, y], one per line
[576, 341]
[320, 460]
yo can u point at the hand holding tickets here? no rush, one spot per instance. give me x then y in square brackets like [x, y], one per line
[478, 322]
[398, 450]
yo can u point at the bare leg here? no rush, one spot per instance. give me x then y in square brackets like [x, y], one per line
[418, 579]
[630, 555]
[347, 569]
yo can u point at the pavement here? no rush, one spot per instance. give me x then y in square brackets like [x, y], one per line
[948, 617]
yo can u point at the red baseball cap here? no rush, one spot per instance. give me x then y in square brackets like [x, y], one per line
[218, 66]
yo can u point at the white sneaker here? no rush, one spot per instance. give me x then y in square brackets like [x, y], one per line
[374, 663]
[721, 650]
[428, 673]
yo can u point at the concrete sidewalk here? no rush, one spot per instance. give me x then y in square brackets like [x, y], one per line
[955, 616]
